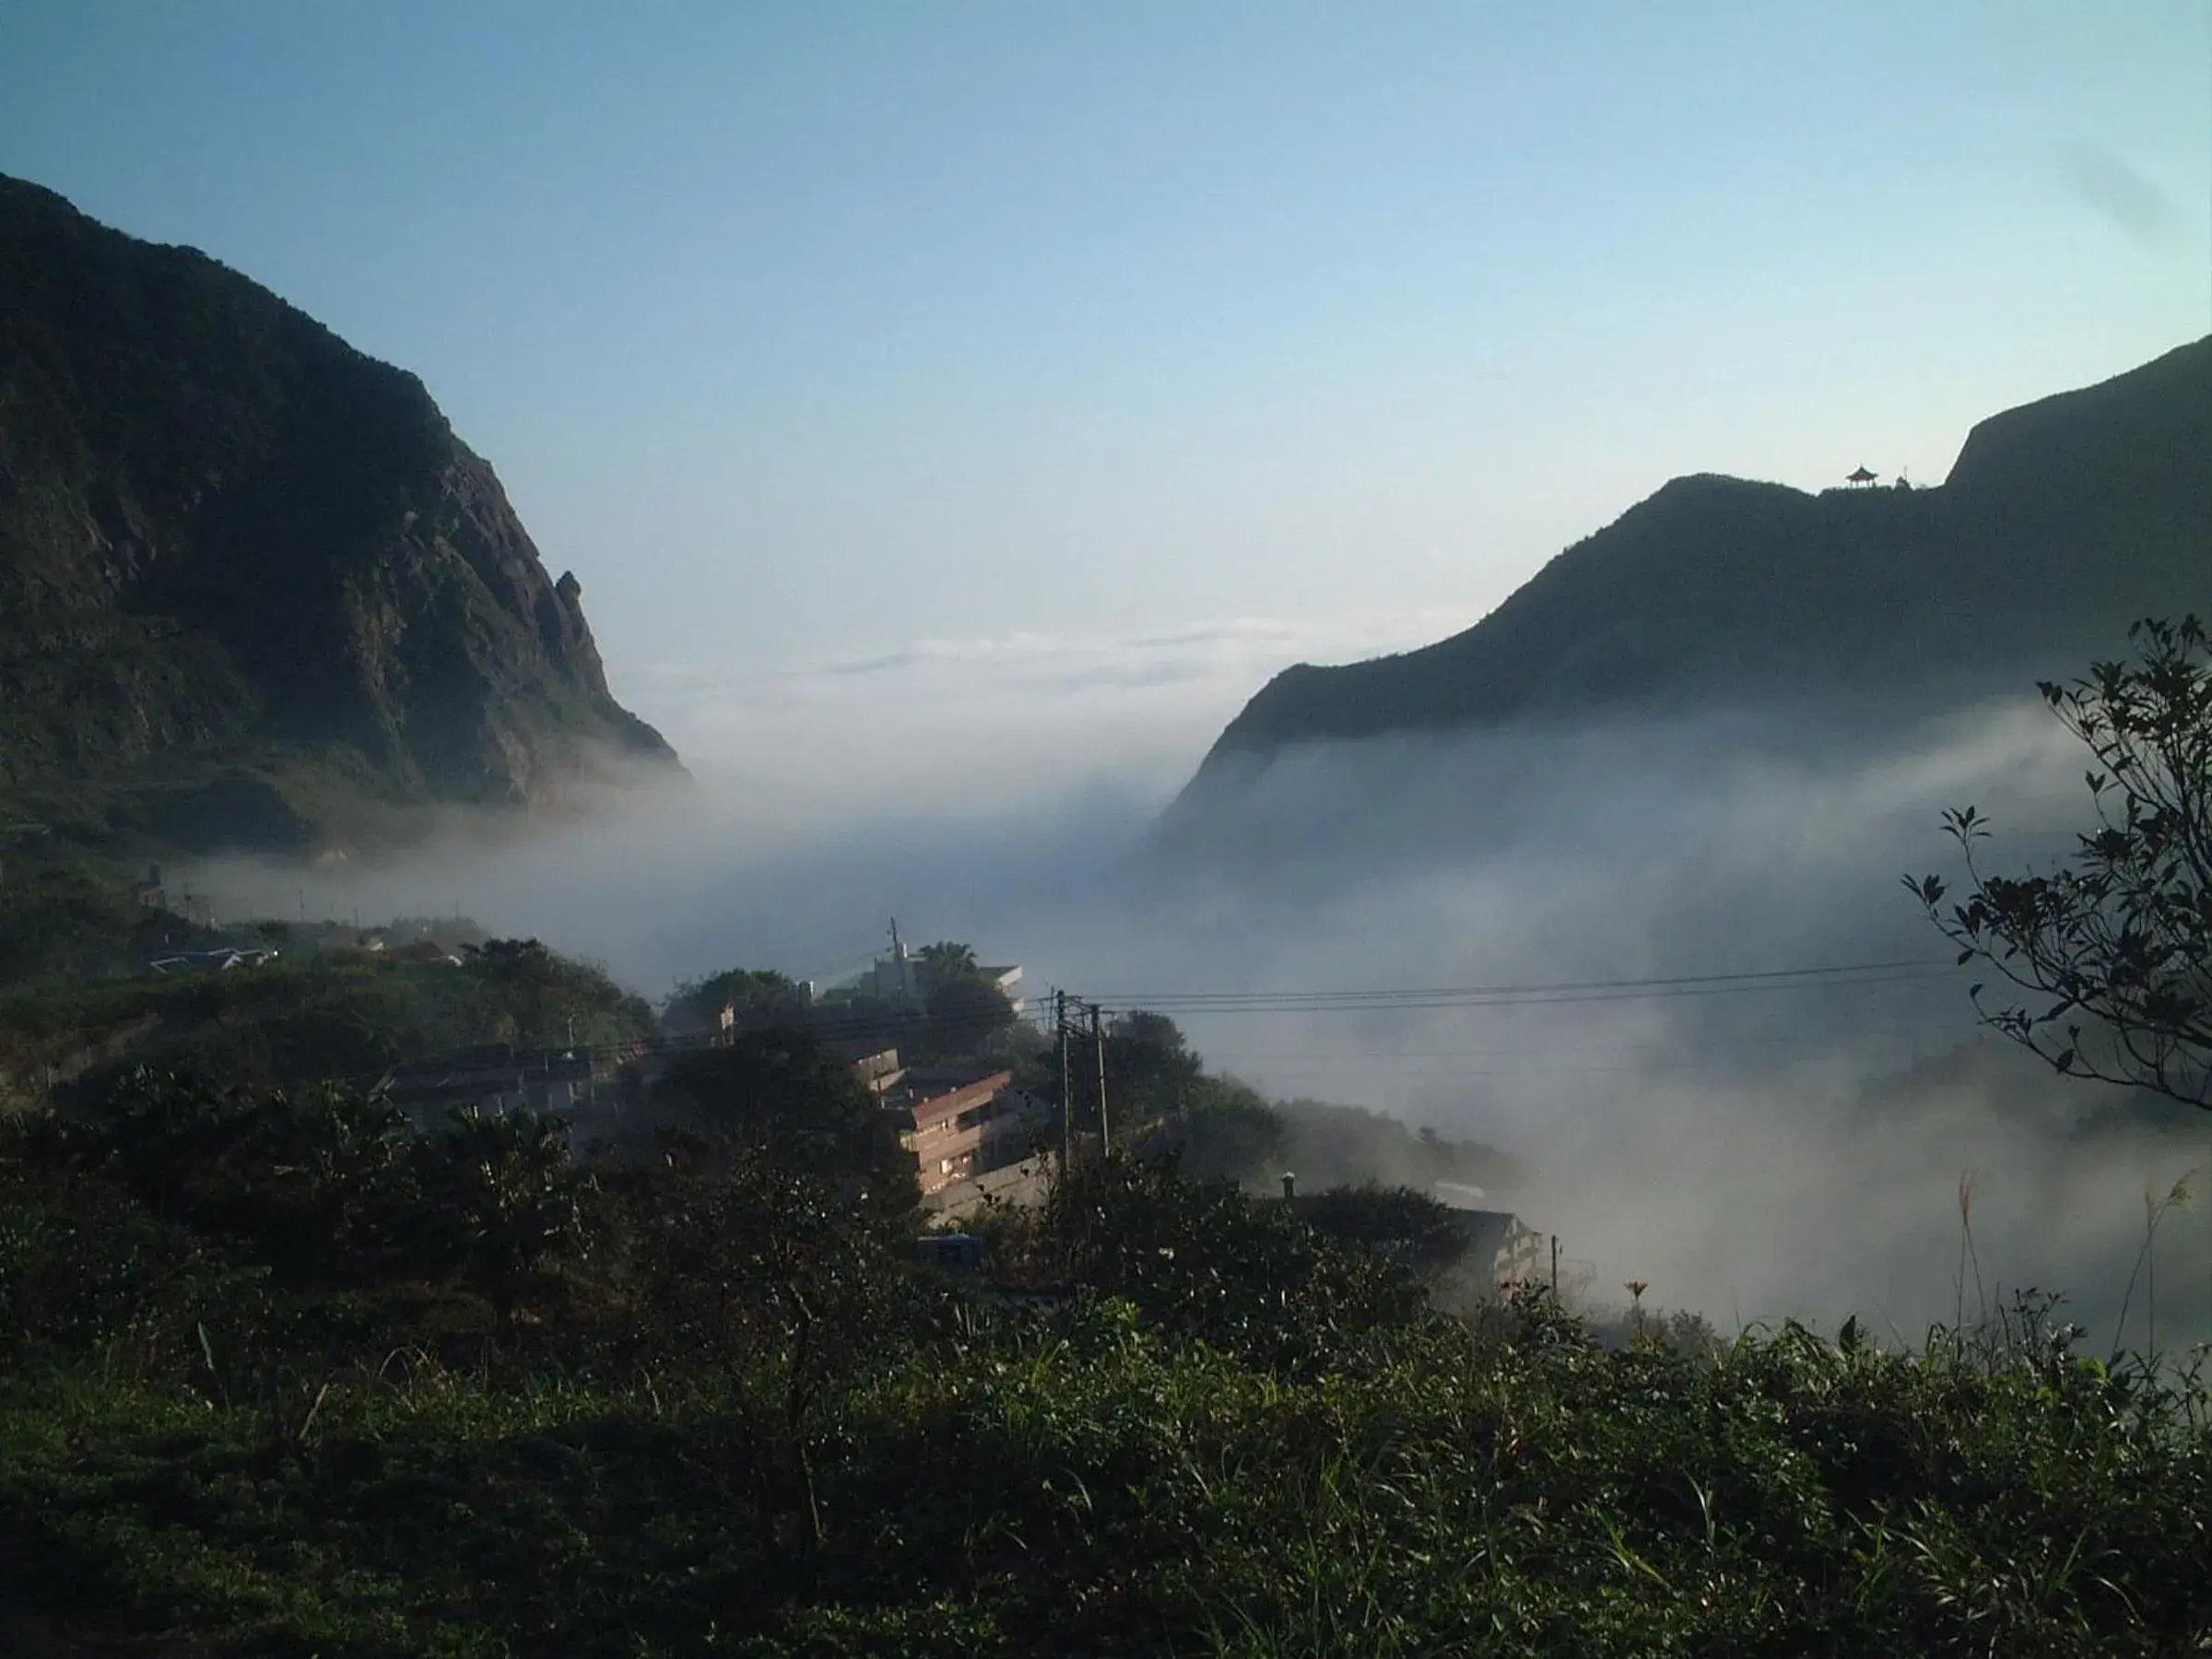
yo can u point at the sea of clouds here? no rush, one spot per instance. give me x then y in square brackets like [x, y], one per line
[1756, 1154]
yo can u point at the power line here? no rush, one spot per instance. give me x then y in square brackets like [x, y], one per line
[1929, 1023]
[1046, 1017]
[1444, 996]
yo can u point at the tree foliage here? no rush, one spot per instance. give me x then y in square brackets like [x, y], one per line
[1409, 1227]
[945, 962]
[530, 995]
[786, 1097]
[1202, 1261]
[744, 1420]
[759, 1000]
[2109, 957]
[508, 1198]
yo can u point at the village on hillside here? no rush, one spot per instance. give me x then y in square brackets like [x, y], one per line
[957, 1057]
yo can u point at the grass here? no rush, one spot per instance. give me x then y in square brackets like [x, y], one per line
[725, 1416]
[1093, 1489]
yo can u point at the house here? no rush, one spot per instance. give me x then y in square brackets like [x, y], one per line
[494, 1077]
[1008, 978]
[1022, 1185]
[895, 979]
[898, 979]
[222, 959]
[422, 951]
[1501, 1249]
[961, 1122]
[874, 1067]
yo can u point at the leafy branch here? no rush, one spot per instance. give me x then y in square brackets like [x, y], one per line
[2112, 950]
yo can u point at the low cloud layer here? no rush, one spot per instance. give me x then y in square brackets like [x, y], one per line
[1755, 1152]
[955, 729]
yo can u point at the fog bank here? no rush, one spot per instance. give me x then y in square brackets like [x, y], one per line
[1754, 1151]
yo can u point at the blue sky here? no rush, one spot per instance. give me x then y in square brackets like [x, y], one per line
[811, 334]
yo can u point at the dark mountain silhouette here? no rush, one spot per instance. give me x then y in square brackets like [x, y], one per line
[252, 588]
[2062, 522]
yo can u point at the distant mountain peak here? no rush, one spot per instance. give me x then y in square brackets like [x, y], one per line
[2062, 522]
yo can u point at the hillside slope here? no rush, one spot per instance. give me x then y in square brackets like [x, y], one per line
[252, 588]
[2062, 522]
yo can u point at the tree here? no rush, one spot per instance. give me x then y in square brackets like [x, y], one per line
[1407, 1226]
[965, 1016]
[1224, 1128]
[775, 1273]
[2112, 950]
[510, 1198]
[785, 1096]
[760, 999]
[528, 994]
[513, 961]
[1201, 1261]
[945, 963]
[1150, 1064]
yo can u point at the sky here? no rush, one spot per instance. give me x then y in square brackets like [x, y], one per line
[881, 367]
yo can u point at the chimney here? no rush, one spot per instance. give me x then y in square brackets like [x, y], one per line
[1290, 1185]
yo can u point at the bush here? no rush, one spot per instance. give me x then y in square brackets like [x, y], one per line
[742, 1420]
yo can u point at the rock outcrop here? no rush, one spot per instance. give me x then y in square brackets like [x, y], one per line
[252, 585]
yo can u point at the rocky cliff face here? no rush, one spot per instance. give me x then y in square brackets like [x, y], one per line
[2063, 521]
[251, 582]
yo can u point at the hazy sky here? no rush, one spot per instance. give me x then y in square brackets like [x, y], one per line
[1127, 346]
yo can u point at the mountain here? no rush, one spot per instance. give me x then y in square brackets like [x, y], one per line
[253, 590]
[2062, 522]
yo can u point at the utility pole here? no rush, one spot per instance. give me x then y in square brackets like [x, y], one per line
[1555, 1268]
[1067, 1115]
[1098, 1041]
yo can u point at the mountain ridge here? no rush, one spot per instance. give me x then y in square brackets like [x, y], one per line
[254, 589]
[2062, 521]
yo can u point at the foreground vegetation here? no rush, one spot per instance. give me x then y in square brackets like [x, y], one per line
[300, 1019]
[281, 1376]
[280, 1373]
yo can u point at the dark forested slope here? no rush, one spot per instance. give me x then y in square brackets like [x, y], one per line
[2062, 522]
[251, 582]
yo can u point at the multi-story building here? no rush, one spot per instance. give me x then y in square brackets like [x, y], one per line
[961, 1122]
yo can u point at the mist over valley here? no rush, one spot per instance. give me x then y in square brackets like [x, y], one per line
[1018, 831]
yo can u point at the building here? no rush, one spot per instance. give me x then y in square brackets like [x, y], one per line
[962, 1122]
[895, 978]
[876, 1069]
[1022, 1185]
[899, 979]
[422, 950]
[494, 1078]
[221, 959]
[1009, 981]
[1501, 1249]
